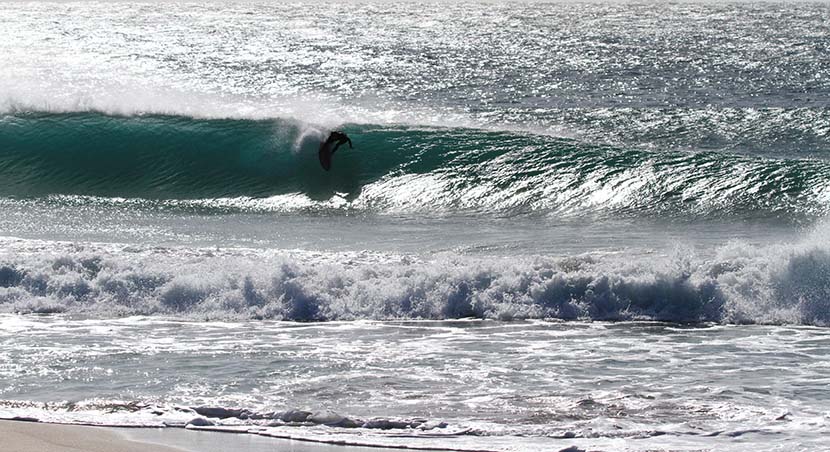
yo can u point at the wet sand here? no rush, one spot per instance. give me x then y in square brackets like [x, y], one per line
[20, 436]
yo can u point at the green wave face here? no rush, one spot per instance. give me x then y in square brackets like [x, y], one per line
[156, 157]
[395, 168]
[168, 157]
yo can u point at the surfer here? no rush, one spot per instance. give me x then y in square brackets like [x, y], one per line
[329, 147]
[338, 138]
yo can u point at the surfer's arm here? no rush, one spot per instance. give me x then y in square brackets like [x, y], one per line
[350, 143]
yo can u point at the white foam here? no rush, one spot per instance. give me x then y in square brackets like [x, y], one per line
[742, 283]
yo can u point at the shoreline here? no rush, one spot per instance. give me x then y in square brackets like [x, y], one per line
[33, 436]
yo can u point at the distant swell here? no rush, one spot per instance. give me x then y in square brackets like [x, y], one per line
[741, 284]
[392, 168]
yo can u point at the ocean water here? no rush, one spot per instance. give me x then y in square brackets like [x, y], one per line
[597, 224]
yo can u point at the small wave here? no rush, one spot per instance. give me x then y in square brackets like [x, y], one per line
[321, 426]
[272, 165]
[150, 415]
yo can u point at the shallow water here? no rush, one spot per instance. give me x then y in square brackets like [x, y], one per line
[506, 386]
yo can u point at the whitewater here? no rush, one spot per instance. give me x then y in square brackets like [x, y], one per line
[601, 225]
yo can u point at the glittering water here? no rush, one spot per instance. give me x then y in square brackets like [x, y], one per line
[503, 386]
[170, 248]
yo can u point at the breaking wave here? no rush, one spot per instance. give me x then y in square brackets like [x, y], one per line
[784, 284]
[272, 165]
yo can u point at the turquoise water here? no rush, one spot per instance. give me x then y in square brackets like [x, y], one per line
[402, 169]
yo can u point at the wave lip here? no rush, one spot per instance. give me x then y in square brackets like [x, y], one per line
[271, 165]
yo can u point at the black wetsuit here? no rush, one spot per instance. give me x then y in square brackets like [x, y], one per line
[338, 138]
[328, 147]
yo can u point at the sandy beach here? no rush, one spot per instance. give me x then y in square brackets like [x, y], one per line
[21, 436]
[37, 437]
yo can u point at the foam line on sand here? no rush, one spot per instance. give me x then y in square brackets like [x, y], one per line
[20, 436]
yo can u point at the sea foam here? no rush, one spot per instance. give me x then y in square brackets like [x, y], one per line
[785, 283]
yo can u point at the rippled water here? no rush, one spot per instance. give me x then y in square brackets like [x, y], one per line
[679, 75]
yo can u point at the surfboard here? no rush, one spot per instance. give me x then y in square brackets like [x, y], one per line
[325, 155]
